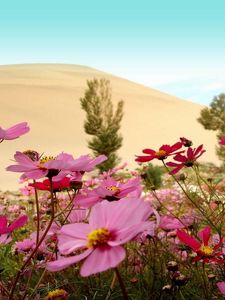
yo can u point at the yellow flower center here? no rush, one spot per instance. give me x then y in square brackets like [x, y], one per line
[44, 159]
[161, 153]
[98, 237]
[56, 295]
[206, 250]
[113, 189]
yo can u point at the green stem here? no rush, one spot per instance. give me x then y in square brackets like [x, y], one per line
[122, 286]
[37, 245]
[111, 286]
[191, 200]
[38, 213]
[4, 289]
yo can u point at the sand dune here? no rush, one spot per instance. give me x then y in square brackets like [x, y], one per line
[47, 97]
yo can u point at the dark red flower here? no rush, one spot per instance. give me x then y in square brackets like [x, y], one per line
[187, 160]
[57, 185]
[163, 152]
[222, 141]
[205, 252]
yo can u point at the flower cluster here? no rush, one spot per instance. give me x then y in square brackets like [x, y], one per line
[182, 158]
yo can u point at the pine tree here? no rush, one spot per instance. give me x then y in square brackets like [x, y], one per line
[101, 121]
[213, 118]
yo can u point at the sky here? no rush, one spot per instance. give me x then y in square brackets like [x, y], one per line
[172, 45]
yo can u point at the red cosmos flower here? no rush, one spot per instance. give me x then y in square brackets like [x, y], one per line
[222, 141]
[204, 252]
[56, 185]
[186, 161]
[161, 154]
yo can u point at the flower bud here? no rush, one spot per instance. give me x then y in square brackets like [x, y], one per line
[172, 266]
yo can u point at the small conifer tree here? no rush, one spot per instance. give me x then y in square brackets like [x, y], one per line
[102, 122]
[213, 118]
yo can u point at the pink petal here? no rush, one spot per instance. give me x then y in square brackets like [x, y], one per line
[16, 131]
[19, 168]
[5, 239]
[96, 161]
[102, 259]
[21, 221]
[63, 263]
[204, 235]
[188, 240]
[24, 159]
[2, 134]
[3, 224]
[125, 235]
[73, 236]
[35, 174]
[221, 286]
[76, 230]
[86, 201]
[77, 215]
[119, 214]
[67, 245]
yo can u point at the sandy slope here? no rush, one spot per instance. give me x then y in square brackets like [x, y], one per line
[47, 97]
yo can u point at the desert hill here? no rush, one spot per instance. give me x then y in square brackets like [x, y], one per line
[47, 97]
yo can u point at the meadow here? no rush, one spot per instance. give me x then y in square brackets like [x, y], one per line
[149, 233]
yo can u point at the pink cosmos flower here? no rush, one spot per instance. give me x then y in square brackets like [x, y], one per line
[186, 161]
[222, 141]
[109, 189]
[75, 168]
[171, 223]
[31, 167]
[221, 286]
[204, 251]
[77, 215]
[25, 246]
[163, 152]
[5, 229]
[13, 132]
[111, 224]
[34, 167]
[27, 190]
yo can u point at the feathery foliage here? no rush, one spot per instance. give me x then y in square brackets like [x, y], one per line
[101, 121]
[213, 118]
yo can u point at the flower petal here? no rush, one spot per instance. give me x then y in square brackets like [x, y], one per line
[102, 259]
[65, 262]
[21, 221]
[221, 286]
[119, 214]
[72, 237]
[204, 235]
[3, 224]
[127, 234]
[188, 240]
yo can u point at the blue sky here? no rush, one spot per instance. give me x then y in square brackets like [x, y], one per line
[174, 46]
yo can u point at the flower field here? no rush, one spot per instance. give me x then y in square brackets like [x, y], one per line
[69, 234]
